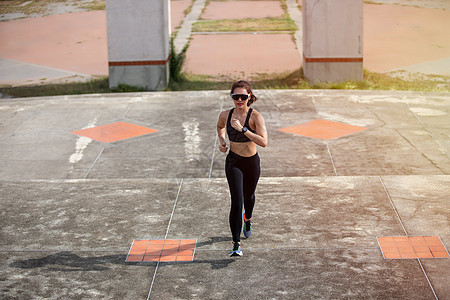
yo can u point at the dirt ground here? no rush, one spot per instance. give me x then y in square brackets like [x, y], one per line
[398, 36]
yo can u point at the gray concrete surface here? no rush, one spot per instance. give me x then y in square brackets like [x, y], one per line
[71, 206]
[17, 73]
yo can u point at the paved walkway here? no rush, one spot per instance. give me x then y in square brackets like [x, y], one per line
[396, 38]
[376, 166]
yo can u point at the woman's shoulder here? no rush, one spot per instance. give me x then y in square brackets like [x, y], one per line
[255, 114]
[224, 114]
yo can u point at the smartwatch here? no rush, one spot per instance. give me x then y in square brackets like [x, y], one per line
[244, 129]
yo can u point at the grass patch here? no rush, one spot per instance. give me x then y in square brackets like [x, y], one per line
[384, 82]
[100, 85]
[372, 2]
[95, 5]
[296, 80]
[41, 6]
[380, 81]
[267, 24]
[189, 82]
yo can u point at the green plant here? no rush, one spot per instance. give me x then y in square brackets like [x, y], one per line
[125, 88]
[176, 62]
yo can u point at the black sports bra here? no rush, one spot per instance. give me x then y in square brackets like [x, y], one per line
[237, 136]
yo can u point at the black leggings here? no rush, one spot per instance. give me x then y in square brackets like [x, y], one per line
[242, 175]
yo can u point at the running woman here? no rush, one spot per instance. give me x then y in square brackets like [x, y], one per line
[245, 128]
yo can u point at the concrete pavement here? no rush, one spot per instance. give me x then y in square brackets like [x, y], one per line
[72, 206]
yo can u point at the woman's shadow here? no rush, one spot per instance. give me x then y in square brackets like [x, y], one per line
[67, 261]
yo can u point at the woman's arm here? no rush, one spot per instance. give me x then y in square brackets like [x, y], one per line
[221, 123]
[260, 138]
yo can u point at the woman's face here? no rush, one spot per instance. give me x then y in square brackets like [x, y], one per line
[241, 103]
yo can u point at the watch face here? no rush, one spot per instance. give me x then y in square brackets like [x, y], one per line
[244, 129]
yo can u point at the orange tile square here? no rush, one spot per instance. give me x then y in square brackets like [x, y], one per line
[172, 242]
[169, 252]
[387, 242]
[156, 242]
[138, 247]
[187, 247]
[413, 247]
[323, 129]
[433, 240]
[114, 132]
[186, 252]
[405, 249]
[140, 244]
[417, 240]
[408, 255]
[426, 254]
[151, 258]
[398, 239]
[437, 248]
[170, 249]
[389, 249]
[153, 252]
[168, 258]
[386, 239]
[155, 247]
[391, 255]
[134, 251]
[419, 244]
[184, 258]
[421, 249]
[388, 245]
[440, 254]
[162, 250]
[134, 258]
[188, 242]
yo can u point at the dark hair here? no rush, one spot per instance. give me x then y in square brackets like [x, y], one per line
[245, 85]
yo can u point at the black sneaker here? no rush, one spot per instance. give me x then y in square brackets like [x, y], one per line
[236, 250]
[247, 230]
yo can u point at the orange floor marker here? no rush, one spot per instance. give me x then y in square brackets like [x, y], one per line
[412, 247]
[114, 132]
[323, 129]
[161, 250]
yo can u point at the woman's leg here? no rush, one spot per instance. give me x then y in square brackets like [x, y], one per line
[235, 182]
[251, 172]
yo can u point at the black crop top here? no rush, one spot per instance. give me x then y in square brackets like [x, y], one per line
[237, 136]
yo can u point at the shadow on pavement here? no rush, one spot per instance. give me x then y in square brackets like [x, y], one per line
[67, 261]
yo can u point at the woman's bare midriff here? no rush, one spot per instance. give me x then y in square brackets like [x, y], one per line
[247, 149]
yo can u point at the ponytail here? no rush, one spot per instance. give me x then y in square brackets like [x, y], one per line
[252, 99]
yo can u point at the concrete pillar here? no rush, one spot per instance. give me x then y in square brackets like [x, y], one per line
[333, 40]
[138, 43]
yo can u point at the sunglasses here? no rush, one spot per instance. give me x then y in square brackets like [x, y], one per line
[243, 97]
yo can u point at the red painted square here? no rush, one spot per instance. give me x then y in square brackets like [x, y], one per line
[114, 132]
[323, 129]
[151, 258]
[133, 258]
[412, 247]
[392, 255]
[440, 254]
[161, 250]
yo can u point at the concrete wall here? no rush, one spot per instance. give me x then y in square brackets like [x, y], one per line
[138, 43]
[333, 40]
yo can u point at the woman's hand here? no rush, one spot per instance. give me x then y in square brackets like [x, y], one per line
[223, 147]
[236, 125]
